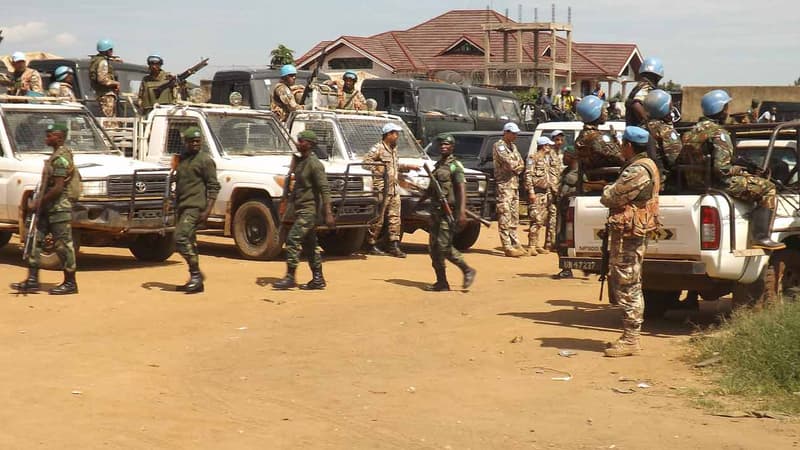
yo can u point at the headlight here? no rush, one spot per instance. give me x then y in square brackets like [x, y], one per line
[367, 183]
[94, 188]
[422, 182]
[482, 186]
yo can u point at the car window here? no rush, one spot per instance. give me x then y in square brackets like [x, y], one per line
[248, 135]
[468, 147]
[484, 107]
[781, 164]
[27, 130]
[326, 136]
[506, 109]
[175, 129]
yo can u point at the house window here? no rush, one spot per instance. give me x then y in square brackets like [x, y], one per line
[465, 48]
[350, 63]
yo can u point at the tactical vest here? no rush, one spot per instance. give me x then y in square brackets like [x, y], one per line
[639, 217]
[149, 84]
[695, 150]
[668, 141]
[94, 65]
[610, 155]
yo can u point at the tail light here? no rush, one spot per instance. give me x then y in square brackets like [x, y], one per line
[569, 228]
[709, 228]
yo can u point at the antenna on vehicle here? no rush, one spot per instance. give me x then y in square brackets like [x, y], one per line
[535, 14]
[552, 12]
[519, 12]
[569, 14]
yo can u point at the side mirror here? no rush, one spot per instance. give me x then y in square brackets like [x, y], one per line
[473, 103]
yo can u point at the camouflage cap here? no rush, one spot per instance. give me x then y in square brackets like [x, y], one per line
[307, 135]
[192, 133]
[446, 137]
[57, 126]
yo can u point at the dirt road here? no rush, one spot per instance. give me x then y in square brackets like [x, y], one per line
[373, 362]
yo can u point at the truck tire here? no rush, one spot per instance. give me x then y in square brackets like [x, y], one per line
[255, 232]
[5, 236]
[467, 237]
[51, 261]
[153, 247]
[656, 303]
[342, 242]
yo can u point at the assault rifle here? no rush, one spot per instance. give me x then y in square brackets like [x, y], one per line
[314, 73]
[181, 78]
[441, 198]
[469, 213]
[604, 263]
[751, 167]
[30, 237]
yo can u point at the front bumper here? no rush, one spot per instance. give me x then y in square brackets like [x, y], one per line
[121, 216]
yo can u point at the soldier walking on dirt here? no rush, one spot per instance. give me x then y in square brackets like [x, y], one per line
[61, 186]
[102, 78]
[196, 189]
[508, 165]
[283, 98]
[541, 182]
[310, 197]
[449, 173]
[633, 213]
[156, 78]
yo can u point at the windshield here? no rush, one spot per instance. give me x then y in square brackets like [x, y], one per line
[248, 135]
[506, 109]
[362, 134]
[781, 164]
[27, 129]
[442, 101]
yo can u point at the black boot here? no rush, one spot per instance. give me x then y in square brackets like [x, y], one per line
[760, 224]
[564, 274]
[195, 284]
[69, 286]
[441, 281]
[469, 275]
[286, 282]
[394, 250]
[31, 284]
[317, 281]
[375, 251]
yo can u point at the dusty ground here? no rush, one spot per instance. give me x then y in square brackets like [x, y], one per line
[373, 362]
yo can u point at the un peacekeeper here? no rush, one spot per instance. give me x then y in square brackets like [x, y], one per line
[541, 182]
[61, 187]
[633, 213]
[567, 186]
[594, 148]
[311, 191]
[156, 78]
[508, 165]
[650, 73]
[283, 99]
[65, 77]
[449, 172]
[708, 133]
[24, 80]
[557, 136]
[665, 139]
[102, 78]
[196, 189]
[349, 96]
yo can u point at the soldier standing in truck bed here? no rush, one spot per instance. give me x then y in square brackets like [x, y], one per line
[156, 78]
[102, 78]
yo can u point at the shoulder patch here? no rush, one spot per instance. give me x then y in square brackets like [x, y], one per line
[61, 162]
[722, 137]
[456, 165]
[673, 136]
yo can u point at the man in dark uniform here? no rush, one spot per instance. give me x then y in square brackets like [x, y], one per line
[310, 193]
[650, 73]
[196, 189]
[567, 187]
[449, 173]
[156, 78]
[61, 186]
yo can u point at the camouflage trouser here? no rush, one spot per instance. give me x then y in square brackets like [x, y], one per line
[186, 235]
[542, 213]
[62, 243]
[508, 214]
[390, 211]
[753, 189]
[303, 234]
[440, 242]
[108, 105]
[625, 281]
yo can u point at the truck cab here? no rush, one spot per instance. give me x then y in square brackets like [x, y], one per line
[492, 108]
[255, 86]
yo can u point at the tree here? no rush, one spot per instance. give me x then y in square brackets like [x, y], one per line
[280, 56]
[797, 82]
[528, 96]
[670, 86]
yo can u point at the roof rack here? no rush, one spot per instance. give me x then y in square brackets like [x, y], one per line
[206, 105]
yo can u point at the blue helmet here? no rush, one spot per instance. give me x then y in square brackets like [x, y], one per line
[288, 69]
[657, 103]
[104, 45]
[653, 65]
[350, 74]
[590, 108]
[155, 58]
[61, 72]
[714, 102]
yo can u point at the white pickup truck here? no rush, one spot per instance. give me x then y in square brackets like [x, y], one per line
[702, 245]
[122, 201]
[252, 151]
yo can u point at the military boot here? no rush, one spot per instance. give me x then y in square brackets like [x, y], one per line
[195, 284]
[317, 281]
[469, 275]
[375, 251]
[760, 224]
[286, 282]
[513, 252]
[31, 284]
[441, 281]
[394, 250]
[69, 286]
[624, 348]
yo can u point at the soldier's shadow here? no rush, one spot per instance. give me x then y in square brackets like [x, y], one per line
[164, 287]
[565, 343]
[408, 283]
[266, 281]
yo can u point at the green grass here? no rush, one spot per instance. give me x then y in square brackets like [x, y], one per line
[760, 353]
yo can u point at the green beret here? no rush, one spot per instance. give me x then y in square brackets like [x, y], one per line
[192, 132]
[446, 137]
[57, 126]
[307, 135]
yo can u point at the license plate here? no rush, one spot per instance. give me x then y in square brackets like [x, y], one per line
[589, 265]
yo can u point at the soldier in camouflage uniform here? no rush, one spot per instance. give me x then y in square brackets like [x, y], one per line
[385, 152]
[541, 182]
[567, 186]
[449, 173]
[666, 142]
[65, 77]
[196, 189]
[350, 97]
[102, 78]
[156, 78]
[633, 213]
[23, 79]
[310, 197]
[60, 186]
[708, 135]
[508, 165]
[594, 148]
[650, 73]
[283, 97]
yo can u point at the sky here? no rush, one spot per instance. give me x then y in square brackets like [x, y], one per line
[735, 42]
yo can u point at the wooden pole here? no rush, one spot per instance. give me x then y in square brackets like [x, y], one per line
[519, 57]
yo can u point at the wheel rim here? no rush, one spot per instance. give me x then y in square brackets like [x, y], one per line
[255, 229]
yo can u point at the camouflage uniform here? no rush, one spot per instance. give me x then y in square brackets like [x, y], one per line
[147, 95]
[448, 172]
[633, 213]
[351, 100]
[195, 183]
[311, 190]
[56, 216]
[283, 101]
[382, 153]
[541, 182]
[667, 142]
[638, 94]
[29, 80]
[707, 136]
[508, 165]
[596, 149]
[65, 90]
[102, 78]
